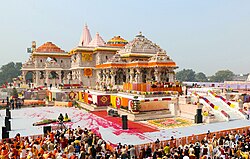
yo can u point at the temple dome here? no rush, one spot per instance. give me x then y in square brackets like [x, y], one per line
[160, 57]
[97, 41]
[140, 44]
[49, 47]
[117, 41]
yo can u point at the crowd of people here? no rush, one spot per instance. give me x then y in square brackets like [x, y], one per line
[84, 144]
[232, 145]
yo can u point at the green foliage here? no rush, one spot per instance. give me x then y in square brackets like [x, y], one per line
[185, 75]
[200, 77]
[10, 71]
[222, 75]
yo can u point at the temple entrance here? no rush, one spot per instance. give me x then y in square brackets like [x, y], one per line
[29, 77]
[152, 76]
[41, 75]
[164, 76]
[119, 78]
[54, 77]
[144, 76]
[62, 76]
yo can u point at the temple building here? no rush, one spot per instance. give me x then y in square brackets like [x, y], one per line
[140, 61]
[95, 62]
[48, 64]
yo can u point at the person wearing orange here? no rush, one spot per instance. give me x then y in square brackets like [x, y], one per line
[35, 152]
[41, 151]
[4, 153]
[51, 136]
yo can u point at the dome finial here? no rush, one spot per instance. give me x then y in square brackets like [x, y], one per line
[140, 34]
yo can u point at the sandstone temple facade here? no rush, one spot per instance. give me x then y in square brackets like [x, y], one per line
[95, 62]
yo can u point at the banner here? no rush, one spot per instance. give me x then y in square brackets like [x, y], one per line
[118, 102]
[103, 100]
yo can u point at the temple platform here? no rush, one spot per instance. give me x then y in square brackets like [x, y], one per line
[91, 107]
[144, 115]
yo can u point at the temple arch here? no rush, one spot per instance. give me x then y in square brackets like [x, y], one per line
[144, 75]
[30, 77]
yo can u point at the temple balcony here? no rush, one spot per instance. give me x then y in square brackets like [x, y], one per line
[52, 65]
[28, 65]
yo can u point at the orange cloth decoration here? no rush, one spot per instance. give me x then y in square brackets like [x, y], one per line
[88, 72]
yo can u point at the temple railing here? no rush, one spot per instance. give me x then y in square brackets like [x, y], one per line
[149, 87]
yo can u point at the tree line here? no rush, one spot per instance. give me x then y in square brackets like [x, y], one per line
[10, 71]
[190, 75]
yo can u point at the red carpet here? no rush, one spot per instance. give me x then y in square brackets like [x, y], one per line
[134, 126]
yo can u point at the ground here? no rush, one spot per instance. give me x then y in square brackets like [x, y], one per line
[108, 128]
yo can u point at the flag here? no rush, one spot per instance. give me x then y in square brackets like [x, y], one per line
[29, 50]
[90, 99]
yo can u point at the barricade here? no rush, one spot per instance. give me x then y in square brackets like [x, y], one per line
[192, 139]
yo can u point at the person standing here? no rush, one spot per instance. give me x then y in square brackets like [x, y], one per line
[248, 113]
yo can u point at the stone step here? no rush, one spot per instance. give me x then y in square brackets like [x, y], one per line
[150, 117]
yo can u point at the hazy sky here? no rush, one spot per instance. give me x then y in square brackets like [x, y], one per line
[205, 35]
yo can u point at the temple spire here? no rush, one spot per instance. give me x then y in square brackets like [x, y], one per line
[86, 37]
[97, 41]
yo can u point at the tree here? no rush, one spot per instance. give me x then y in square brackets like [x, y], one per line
[186, 75]
[222, 75]
[200, 77]
[10, 71]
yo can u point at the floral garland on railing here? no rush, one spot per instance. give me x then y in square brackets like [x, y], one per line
[242, 111]
[150, 93]
[222, 98]
[208, 102]
[225, 114]
[168, 93]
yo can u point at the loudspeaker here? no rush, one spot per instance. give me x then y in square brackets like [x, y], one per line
[198, 116]
[124, 122]
[5, 133]
[8, 112]
[198, 111]
[7, 123]
[46, 129]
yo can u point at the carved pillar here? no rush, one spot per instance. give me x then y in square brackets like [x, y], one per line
[60, 76]
[107, 76]
[69, 77]
[138, 76]
[103, 76]
[98, 75]
[47, 77]
[113, 73]
[171, 76]
[157, 75]
[148, 75]
[80, 75]
[24, 76]
[131, 73]
[78, 80]
[127, 75]
[73, 76]
[37, 78]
